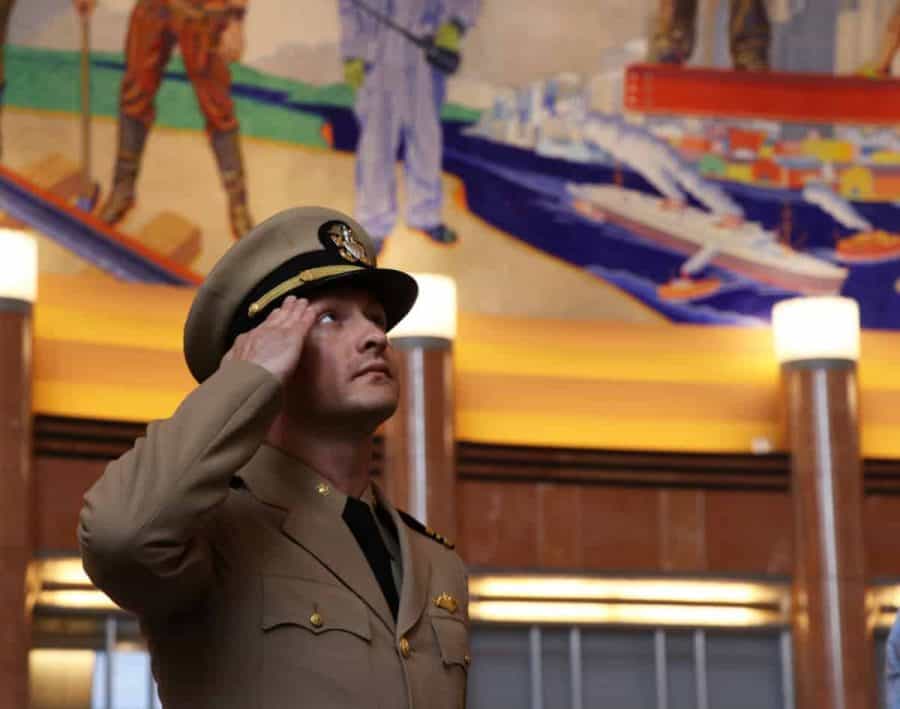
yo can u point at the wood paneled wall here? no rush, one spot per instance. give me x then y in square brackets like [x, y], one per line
[553, 509]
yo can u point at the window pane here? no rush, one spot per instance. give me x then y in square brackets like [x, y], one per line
[131, 681]
[499, 675]
[744, 670]
[618, 669]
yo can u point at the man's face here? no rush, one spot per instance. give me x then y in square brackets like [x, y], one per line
[346, 377]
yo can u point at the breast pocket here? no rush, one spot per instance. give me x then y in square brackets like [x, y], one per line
[453, 641]
[452, 638]
[316, 639]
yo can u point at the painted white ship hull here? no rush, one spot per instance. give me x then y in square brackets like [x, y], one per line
[745, 249]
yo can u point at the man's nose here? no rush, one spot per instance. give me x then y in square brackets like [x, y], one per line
[373, 338]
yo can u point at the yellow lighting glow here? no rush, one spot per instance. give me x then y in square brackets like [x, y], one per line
[885, 619]
[634, 589]
[434, 314]
[18, 265]
[64, 572]
[80, 600]
[56, 657]
[823, 327]
[61, 677]
[885, 596]
[655, 614]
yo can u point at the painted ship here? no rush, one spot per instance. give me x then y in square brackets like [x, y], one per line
[869, 247]
[730, 242]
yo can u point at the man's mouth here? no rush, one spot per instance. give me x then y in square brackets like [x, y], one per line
[375, 368]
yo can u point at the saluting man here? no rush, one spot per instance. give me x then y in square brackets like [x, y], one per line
[266, 567]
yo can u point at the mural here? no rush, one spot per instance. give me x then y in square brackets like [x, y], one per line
[650, 161]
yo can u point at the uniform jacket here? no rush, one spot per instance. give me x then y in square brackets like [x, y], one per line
[250, 587]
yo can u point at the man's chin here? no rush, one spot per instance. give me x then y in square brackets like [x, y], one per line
[374, 411]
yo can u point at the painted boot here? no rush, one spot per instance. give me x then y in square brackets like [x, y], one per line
[121, 198]
[227, 149]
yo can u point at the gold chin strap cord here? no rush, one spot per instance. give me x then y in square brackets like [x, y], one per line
[307, 276]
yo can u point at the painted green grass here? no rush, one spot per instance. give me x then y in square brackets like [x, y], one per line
[50, 80]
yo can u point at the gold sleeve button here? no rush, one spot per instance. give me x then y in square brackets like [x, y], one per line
[315, 620]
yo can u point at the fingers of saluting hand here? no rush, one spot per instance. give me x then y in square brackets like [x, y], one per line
[292, 314]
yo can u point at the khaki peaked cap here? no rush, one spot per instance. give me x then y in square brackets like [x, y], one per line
[300, 252]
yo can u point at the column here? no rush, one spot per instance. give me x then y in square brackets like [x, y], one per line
[419, 454]
[18, 263]
[817, 342]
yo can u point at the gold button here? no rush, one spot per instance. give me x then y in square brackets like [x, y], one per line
[323, 489]
[315, 620]
[467, 660]
[404, 647]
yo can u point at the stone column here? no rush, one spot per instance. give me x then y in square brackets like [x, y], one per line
[16, 500]
[419, 453]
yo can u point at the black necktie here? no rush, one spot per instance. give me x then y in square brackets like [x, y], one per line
[358, 517]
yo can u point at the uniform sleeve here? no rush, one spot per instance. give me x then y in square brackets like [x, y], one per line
[892, 666]
[463, 11]
[357, 31]
[141, 524]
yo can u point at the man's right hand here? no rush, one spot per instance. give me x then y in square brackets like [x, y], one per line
[277, 343]
[354, 73]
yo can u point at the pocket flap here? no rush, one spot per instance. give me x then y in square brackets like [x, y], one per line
[453, 639]
[312, 605]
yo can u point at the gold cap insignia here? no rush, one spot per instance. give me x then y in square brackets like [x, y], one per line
[447, 602]
[349, 247]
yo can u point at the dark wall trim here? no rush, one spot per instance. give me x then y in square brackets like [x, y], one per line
[106, 440]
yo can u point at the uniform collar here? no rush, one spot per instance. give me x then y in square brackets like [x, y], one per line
[280, 480]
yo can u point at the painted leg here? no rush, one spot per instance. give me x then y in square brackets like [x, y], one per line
[121, 198]
[880, 66]
[423, 137]
[749, 35]
[674, 32]
[227, 149]
[376, 188]
[147, 50]
[211, 79]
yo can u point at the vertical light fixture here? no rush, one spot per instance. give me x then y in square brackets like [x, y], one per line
[420, 461]
[18, 289]
[817, 344]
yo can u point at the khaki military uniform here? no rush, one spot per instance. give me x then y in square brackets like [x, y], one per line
[251, 589]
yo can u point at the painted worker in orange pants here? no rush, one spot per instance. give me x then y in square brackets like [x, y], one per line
[210, 34]
[749, 33]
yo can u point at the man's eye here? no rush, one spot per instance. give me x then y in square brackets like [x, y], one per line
[327, 318]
